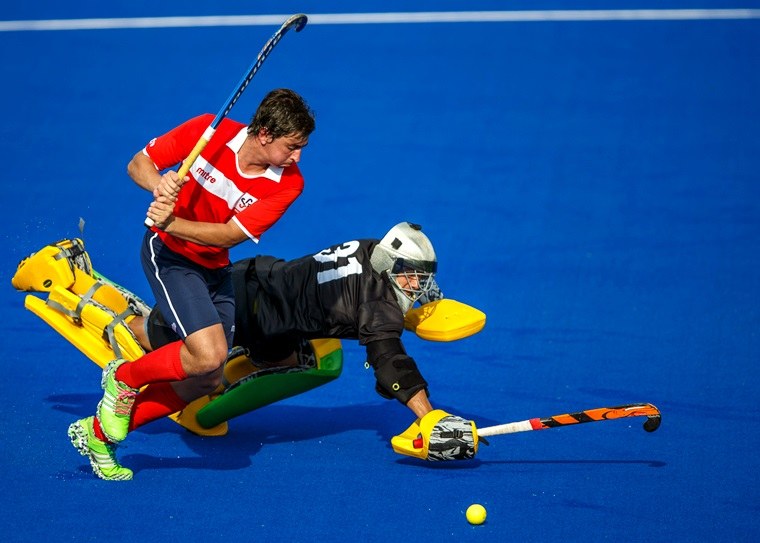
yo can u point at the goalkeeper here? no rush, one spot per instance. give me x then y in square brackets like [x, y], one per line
[359, 289]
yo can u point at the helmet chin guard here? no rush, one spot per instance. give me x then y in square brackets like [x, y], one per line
[406, 256]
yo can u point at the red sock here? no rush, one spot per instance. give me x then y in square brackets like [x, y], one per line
[161, 365]
[98, 431]
[155, 401]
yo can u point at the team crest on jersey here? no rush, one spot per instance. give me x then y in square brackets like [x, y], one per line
[244, 201]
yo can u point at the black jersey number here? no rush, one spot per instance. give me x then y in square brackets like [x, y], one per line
[341, 261]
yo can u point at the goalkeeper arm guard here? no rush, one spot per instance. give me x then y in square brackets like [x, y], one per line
[396, 372]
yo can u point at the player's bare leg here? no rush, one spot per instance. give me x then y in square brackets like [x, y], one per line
[137, 327]
[204, 351]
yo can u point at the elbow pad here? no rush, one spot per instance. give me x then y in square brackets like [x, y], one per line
[396, 373]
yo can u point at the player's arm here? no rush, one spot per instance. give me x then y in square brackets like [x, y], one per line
[204, 233]
[250, 223]
[396, 373]
[164, 152]
[143, 171]
[419, 403]
[145, 174]
[260, 216]
[436, 434]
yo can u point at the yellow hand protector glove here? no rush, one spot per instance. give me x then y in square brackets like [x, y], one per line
[438, 436]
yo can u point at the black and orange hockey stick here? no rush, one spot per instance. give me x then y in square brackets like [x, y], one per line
[589, 415]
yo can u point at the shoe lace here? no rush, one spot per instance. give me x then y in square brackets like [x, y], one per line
[122, 405]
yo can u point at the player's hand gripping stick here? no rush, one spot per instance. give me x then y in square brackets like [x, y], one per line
[296, 21]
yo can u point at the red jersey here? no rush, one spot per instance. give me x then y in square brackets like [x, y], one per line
[217, 190]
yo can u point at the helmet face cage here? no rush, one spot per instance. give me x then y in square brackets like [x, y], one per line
[418, 282]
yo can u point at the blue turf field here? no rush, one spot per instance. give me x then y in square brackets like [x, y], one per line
[591, 186]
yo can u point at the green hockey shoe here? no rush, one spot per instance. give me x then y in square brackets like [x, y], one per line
[102, 455]
[115, 408]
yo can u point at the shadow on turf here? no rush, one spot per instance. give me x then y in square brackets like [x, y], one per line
[249, 433]
[282, 423]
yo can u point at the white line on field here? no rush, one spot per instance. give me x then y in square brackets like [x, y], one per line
[380, 18]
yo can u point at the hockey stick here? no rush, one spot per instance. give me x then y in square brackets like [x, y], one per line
[590, 415]
[296, 21]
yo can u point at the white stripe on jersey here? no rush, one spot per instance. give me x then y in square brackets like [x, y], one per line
[245, 230]
[215, 182]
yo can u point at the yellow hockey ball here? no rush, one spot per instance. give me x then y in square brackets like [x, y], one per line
[476, 514]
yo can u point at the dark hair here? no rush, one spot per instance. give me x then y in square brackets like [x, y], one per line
[283, 112]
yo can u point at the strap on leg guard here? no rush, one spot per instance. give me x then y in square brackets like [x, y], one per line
[237, 366]
[438, 436]
[89, 301]
[94, 323]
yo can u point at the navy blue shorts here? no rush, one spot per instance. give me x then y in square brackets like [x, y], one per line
[189, 296]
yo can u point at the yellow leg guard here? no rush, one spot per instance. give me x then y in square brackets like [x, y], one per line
[88, 336]
[90, 311]
[53, 265]
[66, 265]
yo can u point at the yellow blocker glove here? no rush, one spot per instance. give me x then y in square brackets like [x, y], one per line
[438, 436]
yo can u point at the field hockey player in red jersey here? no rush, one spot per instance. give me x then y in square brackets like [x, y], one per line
[244, 180]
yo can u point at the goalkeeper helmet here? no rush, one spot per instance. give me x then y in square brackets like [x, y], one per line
[406, 256]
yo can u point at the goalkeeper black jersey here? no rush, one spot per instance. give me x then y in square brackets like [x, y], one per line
[334, 293]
